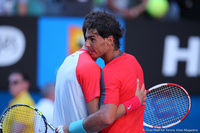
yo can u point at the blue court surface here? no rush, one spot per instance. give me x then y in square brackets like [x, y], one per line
[191, 124]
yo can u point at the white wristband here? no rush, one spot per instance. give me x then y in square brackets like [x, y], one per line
[60, 129]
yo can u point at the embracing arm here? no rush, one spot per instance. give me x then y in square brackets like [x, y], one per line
[107, 114]
[93, 123]
[133, 103]
[101, 119]
[125, 107]
[93, 105]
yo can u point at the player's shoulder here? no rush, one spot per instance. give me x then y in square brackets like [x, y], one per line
[89, 68]
[87, 64]
[91, 65]
[127, 55]
[124, 59]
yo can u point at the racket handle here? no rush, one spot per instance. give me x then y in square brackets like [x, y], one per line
[50, 126]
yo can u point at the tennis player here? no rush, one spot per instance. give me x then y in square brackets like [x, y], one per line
[78, 89]
[118, 81]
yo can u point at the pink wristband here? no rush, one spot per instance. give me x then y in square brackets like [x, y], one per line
[132, 104]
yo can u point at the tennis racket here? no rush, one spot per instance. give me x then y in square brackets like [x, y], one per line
[167, 104]
[23, 118]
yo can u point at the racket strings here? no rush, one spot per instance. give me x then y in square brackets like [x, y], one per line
[22, 119]
[165, 105]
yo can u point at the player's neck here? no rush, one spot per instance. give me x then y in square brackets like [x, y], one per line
[110, 55]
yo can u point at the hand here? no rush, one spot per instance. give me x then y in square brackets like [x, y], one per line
[62, 129]
[141, 93]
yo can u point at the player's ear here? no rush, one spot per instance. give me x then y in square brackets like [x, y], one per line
[110, 40]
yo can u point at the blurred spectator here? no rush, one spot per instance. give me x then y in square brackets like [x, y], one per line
[19, 84]
[76, 7]
[59, 7]
[189, 9]
[45, 7]
[45, 104]
[54, 7]
[29, 8]
[22, 6]
[6, 7]
[174, 11]
[125, 9]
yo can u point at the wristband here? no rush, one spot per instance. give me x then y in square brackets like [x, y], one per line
[132, 104]
[60, 129]
[77, 127]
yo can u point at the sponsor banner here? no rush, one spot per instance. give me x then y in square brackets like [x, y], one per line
[57, 38]
[167, 52]
[18, 44]
[13, 44]
[18, 48]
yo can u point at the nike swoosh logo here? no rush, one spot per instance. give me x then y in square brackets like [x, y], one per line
[129, 106]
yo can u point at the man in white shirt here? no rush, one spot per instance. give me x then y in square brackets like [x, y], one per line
[46, 103]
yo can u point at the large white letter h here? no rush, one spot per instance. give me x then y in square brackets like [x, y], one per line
[173, 54]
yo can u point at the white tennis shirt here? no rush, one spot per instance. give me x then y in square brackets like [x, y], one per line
[77, 82]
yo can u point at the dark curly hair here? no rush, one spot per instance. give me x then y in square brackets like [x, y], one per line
[105, 24]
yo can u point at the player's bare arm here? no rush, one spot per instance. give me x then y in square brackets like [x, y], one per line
[93, 105]
[107, 114]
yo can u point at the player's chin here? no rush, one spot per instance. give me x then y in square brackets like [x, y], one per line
[94, 56]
